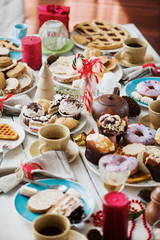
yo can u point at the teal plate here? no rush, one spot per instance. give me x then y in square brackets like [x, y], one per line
[20, 201]
[14, 55]
[131, 87]
[69, 45]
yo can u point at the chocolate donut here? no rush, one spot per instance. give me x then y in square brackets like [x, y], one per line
[138, 133]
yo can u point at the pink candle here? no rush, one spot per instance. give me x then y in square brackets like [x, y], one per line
[115, 216]
[31, 51]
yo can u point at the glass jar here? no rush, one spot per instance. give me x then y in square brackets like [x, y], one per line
[53, 34]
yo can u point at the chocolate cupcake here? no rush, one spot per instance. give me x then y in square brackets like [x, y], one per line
[97, 146]
[71, 107]
[30, 110]
[111, 125]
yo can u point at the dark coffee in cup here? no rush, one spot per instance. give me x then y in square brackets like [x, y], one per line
[134, 45]
[51, 231]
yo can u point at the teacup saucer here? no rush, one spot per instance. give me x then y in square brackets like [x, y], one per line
[147, 59]
[76, 235]
[71, 151]
[146, 121]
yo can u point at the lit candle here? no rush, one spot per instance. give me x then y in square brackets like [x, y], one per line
[31, 51]
[115, 216]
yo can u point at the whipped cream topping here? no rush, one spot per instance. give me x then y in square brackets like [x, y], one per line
[32, 110]
[70, 106]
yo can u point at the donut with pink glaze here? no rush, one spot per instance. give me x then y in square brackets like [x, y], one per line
[118, 163]
[138, 133]
[149, 88]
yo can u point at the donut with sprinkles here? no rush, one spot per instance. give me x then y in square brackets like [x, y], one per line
[149, 88]
[138, 133]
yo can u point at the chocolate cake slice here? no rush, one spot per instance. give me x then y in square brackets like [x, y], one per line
[69, 206]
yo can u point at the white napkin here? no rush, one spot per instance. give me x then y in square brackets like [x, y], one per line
[54, 164]
[132, 73]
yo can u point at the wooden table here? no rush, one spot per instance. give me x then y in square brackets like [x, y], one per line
[13, 226]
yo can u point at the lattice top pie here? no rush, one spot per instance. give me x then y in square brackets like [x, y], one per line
[100, 34]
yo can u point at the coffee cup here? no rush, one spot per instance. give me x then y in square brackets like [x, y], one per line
[134, 50]
[51, 227]
[154, 113]
[53, 137]
[20, 30]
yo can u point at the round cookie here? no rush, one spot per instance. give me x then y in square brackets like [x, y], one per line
[2, 81]
[16, 71]
[5, 62]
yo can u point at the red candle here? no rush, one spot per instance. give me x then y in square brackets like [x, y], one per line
[31, 51]
[115, 216]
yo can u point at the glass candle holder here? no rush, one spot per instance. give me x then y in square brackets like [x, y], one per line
[156, 230]
[114, 171]
[53, 34]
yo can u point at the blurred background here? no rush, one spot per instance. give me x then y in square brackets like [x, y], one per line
[145, 14]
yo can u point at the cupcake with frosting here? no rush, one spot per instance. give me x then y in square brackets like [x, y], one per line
[71, 107]
[31, 110]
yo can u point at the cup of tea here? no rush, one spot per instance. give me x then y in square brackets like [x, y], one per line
[20, 30]
[51, 227]
[53, 137]
[154, 113]
[134, 50]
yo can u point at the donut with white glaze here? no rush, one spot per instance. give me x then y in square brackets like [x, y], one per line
[138, 133]
[118, 163]
[149, 88]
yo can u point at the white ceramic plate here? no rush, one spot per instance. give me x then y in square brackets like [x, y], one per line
[132, 34]
[82, 121]
[12, 143]
[148, 183]
[28, 90]
[117, 71]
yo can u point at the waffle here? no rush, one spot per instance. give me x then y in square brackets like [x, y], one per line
[100, 34]
[7, 132]
[139, 176]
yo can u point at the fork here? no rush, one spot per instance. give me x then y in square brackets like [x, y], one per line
[5, 149]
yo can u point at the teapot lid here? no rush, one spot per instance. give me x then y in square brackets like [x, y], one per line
[110, 99]
[155, 195]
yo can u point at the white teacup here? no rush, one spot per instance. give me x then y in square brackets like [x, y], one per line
[53, 137]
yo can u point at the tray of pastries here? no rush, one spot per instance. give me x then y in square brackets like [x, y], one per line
[99, 34]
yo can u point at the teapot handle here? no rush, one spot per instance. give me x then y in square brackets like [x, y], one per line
[116, 91]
